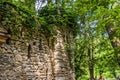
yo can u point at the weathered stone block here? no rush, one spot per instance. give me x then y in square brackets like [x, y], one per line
[15, 51]
[10, 73]
[35, 59]
[60, 78]
[18, 57]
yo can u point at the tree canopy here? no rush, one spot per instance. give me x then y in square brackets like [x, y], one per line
[94, 24]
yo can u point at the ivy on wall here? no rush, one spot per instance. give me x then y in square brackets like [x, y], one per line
[18, 18]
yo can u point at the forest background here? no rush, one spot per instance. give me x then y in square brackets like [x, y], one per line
[94, 23]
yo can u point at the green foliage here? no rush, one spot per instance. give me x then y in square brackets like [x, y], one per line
[49, 18]
[86, 19]
[52, 17]
[95, 15]
[16, 17]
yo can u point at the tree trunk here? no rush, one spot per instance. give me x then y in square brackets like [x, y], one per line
[115, 42]
[90, 56]
[90, 64]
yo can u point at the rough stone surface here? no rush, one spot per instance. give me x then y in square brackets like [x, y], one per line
[34, 60]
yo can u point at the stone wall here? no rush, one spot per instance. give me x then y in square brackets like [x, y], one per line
[35, 60]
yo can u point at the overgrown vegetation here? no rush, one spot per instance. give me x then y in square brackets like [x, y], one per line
[94, 24]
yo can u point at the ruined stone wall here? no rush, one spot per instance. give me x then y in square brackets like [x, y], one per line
[34, 60]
